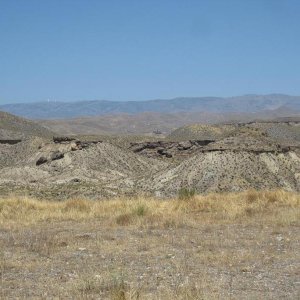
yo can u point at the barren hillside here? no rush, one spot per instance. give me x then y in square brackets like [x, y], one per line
[13, 127]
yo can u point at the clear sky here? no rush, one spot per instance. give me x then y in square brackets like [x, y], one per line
[143, 49]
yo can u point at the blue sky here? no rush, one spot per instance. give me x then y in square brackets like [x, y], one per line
[137, 50]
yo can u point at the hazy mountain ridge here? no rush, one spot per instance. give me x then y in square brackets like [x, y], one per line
[240, 104]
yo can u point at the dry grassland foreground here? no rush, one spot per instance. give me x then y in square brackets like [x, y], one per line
[219, 246]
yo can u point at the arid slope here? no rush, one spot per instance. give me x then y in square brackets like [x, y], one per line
[13, 127]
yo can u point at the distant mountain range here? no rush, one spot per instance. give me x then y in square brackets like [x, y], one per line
[240, 104]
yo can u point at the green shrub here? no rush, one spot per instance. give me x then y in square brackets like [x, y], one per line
[140, 210]
[186, 193]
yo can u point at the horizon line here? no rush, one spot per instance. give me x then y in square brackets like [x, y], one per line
[154, 99]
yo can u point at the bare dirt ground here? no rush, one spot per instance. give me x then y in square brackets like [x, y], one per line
[221, 246]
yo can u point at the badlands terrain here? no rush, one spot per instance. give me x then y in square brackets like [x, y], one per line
[206, 158]
[204, 211]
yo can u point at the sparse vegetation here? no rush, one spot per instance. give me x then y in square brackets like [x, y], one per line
[186, 194]
[140, 210]
[159, 249]
[201, 132]
[15, 127]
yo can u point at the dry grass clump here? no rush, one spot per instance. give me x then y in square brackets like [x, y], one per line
[276, 206]
[77, 205]
[116, 288]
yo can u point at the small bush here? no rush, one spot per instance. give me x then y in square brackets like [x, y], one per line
[88, 286]
[273, 197]
[124, 219]
[118, 290]
[252, 196]
[140, 210]
[186, 194]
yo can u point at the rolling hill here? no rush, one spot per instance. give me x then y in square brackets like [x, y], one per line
[13, 127]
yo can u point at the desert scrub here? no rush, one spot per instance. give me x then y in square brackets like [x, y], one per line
[140, 210]
[186, 193]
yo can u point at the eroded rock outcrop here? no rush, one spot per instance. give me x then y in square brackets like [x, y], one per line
[168, 149]
[10, 141]
[62, 145]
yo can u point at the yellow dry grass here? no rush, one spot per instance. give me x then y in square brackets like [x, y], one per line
[273, 206]
[203, 247]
